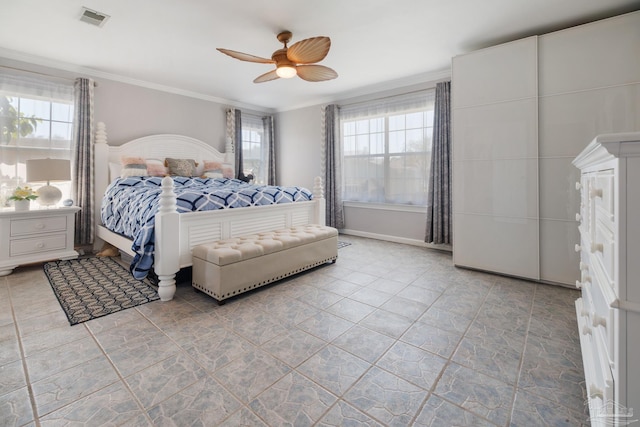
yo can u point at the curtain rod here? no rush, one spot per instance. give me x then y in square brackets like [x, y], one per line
[95, 84]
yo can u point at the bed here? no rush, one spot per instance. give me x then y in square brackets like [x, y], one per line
[175, 234]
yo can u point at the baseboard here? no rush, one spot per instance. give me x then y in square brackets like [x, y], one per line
[395, 239]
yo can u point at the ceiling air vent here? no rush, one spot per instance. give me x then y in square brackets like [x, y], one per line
[92, 17]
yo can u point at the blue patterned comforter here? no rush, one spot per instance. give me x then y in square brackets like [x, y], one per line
[130, 204]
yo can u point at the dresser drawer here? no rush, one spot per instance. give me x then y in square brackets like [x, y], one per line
[597, 371]
[603, 195]
[50, 242]
[25, 227]
[603, 252]
[600, 318]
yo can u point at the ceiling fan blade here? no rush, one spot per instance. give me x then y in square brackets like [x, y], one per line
[308, 51]
[266, 77]
[315, 73]
[246, 57]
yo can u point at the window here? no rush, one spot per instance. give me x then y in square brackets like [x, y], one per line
[36, 121]
[387, 149]
[255, 148]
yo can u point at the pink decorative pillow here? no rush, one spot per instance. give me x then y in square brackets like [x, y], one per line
[132, 160]
[156, 167]
[133, 166]
[227, 170]
[212, 169]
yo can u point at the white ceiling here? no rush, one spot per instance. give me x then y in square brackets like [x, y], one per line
[376, 44]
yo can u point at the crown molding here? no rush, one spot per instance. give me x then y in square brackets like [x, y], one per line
[90, 72]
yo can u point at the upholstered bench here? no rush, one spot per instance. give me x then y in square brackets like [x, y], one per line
[229, 267]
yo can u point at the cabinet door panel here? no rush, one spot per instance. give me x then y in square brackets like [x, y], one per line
[501, 244]
[569, 121]
[497, 131]
[558, 259]
[589, 56]
[558, 196]
[498, 187]
[500, 73]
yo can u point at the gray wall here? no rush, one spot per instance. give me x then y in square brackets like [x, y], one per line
[299, 146]
[131, 112]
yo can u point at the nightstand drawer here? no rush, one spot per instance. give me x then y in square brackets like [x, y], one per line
[24, 227]
[53, 242]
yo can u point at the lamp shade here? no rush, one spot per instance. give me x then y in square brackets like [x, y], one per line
[47, 170]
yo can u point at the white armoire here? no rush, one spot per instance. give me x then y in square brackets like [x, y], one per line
[521, 112]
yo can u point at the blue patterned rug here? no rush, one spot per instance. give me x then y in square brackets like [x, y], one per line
[88, 288]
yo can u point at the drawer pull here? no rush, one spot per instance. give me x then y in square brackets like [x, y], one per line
[578, 284]
[578, 248]
[586, 330]
[597, 247]
[40, 245]
[578, 186]
[584, 266]
[578, 217]
[595, 192]
[595, 391]
[598, 320]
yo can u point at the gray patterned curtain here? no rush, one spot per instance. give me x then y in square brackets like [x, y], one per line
[82, 161]
[269, 134]
[439, 198]
[237, 139]
[332, 153]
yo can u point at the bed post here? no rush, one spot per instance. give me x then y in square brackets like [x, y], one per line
[167, 237]
[318, 196]
[101, 176]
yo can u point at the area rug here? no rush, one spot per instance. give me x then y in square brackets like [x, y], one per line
[92, 287]
[342, 244]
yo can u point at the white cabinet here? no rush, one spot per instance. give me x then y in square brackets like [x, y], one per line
[609, 250]
[495, 169]
[36, 235]
[522, 111]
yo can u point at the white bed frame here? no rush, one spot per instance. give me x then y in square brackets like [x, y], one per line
[176, 234]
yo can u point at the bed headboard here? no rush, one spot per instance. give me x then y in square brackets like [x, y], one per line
[148, 147]
[163, 146]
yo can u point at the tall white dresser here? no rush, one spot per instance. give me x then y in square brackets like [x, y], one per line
[609, 308]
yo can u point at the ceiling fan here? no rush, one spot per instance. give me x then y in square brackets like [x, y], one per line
[299, 59]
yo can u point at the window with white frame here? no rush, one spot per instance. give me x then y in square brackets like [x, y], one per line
[255, 149]
[36, 121]
[387, 149]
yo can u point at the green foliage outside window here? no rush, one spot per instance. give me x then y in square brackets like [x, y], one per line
[14, 124]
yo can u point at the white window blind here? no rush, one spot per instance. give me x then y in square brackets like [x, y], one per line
[36, 121]
[387, 149]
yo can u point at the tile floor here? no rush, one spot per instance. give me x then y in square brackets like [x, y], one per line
[389, 335]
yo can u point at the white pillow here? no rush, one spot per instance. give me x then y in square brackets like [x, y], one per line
[114, 170]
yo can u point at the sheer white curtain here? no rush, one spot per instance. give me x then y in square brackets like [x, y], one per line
[36, 121]
[386, 148]
[388, 105]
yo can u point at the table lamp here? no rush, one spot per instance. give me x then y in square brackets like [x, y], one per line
[47, 170]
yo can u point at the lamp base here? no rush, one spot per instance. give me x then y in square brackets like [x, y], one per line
[48, 195]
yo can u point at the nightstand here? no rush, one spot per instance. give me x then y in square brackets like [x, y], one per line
[36, 235]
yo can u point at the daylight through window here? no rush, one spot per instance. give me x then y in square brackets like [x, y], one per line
[36, 121]
[387, 149]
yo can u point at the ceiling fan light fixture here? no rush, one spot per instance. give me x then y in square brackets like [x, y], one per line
[286, 71]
